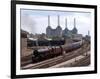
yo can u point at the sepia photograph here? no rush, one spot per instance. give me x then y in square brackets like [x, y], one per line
[53, 39]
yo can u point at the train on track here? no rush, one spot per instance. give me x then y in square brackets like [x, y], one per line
[54, 51]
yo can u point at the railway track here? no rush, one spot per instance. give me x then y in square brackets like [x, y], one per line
[75, 62]
[83, 62]
[26, 60]
[57, 60]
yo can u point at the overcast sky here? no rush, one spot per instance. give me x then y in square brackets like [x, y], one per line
[36, 21]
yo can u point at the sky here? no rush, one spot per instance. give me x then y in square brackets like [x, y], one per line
[36, 21]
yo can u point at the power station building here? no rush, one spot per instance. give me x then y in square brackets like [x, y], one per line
[54, 32]
[58, 32]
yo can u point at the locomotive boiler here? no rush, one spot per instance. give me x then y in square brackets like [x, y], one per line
[50, 52]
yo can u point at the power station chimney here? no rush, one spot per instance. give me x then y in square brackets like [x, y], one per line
[74, 23]
[58, 20]
[48, 20]
[88, 33]
[66, 22]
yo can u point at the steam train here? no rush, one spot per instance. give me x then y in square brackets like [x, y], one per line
[47, 53]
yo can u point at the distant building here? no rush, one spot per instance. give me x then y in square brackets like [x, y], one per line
[66, 33]
[74, 30]
[77, 37]
[88, 37]
[69, 33]
[23, 41]
[58, 32]
[24, 34]
[53, 32]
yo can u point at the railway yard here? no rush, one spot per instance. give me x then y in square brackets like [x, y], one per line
[75, 58]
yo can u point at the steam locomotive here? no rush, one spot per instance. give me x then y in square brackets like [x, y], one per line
[47, 53]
